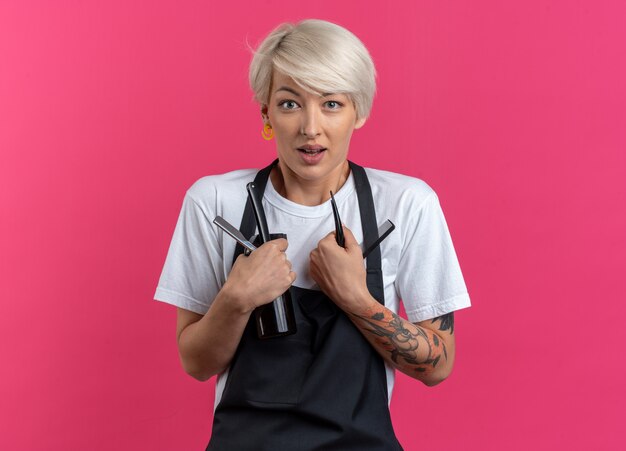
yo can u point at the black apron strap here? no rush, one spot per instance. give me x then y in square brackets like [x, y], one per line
[370, 232]
[248, 222]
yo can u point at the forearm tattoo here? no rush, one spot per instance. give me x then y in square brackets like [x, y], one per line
[408, 344]
[447, 322]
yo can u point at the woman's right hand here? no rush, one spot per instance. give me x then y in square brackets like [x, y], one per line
[262, 276]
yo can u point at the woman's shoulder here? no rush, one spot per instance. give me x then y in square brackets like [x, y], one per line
[398, 186]
[218, 191]
[229, 181]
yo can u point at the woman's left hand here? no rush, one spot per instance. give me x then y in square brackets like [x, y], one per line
[340, 273]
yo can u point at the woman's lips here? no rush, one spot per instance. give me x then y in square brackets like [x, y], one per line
[311, 147]
[312, 156]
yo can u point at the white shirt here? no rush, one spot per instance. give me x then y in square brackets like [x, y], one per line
[419, 263]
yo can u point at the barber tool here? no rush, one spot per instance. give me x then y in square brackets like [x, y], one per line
[383, 232]
[233, 232]
[341, 240]
[276, 318]
[259, 212]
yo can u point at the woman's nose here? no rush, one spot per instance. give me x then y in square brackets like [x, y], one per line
[310, 124]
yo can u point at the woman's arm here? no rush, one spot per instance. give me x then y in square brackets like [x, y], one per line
[207, 344]
[424, 350]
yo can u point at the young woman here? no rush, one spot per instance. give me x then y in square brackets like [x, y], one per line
[328, 386]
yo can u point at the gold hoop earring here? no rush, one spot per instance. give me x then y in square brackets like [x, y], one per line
[268, 132]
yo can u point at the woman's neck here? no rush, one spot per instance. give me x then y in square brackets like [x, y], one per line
[308, 192]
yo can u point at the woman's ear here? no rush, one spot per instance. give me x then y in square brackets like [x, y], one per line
[359, 122]
[264, 110]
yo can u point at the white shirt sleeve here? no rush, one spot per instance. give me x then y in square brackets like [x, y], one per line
[193, 271]
[429, 279]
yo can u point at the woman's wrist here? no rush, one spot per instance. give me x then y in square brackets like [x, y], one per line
[234, 301]
[360, 303]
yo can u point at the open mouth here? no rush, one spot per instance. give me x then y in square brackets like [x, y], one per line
[311, 152]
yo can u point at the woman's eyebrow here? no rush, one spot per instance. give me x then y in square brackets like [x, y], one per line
[287, 88]
[294, 92]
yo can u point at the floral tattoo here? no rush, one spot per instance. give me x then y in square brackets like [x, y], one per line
[403, 339]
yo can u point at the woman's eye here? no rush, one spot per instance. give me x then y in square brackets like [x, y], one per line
[333, 105]
[288, 104]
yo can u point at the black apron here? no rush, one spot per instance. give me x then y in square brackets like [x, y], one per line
[322, 388]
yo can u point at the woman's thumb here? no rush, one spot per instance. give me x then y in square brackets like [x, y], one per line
[350, 239]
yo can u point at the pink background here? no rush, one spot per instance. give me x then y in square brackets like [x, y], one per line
[514, 112]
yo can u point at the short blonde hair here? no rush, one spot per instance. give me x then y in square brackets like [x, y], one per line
[320, 57]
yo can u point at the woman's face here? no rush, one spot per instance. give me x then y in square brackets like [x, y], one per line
[301, 119]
